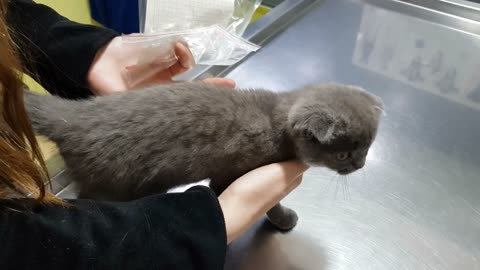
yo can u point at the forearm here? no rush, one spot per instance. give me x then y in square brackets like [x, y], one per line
[252, 195]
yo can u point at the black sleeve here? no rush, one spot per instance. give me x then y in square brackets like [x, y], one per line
[54, 50]
[168, 231]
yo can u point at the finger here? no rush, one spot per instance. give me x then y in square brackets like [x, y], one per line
[296, 182]
[140, 76]
[221, 82]
[271, 180]
[279, 175]
[271, 198]
[165, 70]
[291, 169]
[260, 205]
[185, 59]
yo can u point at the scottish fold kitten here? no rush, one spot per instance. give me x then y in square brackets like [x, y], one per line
[129, 145]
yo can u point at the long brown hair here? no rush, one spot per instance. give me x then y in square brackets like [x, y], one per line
[22, 168]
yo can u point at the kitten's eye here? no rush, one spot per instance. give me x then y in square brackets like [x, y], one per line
[342, 156]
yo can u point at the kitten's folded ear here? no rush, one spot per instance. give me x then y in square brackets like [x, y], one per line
[379, 106]
[313, 123]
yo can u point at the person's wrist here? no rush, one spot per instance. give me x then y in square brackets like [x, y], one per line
[253, 194]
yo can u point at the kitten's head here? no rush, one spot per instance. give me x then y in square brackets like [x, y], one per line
[334, 125]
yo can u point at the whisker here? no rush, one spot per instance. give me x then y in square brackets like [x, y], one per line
[349, 197]
[336, 189]
[366, 173]
[330, 183]
[371, 174]
[346, 187]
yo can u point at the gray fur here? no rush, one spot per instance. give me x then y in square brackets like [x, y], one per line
[129, 145]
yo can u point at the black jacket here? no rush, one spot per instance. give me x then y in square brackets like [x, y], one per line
[54, 50]
[169, 231]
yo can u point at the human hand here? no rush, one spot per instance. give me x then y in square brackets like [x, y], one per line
[105, 74]
[252, 195]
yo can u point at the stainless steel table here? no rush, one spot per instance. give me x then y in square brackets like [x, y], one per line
[416, 204]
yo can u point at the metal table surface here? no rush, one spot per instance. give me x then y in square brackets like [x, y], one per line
[416, 204]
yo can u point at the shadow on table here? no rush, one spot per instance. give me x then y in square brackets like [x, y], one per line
[264, 248]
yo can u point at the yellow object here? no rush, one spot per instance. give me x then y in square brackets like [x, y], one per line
[76, 10]
[50, 153]
[260, 12]
[33, 85]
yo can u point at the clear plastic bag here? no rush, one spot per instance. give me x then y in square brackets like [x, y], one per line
[218, 44]
[236, 23]
[212, 45]
[242, 15]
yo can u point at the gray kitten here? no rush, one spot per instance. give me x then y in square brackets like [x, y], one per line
[129, 145]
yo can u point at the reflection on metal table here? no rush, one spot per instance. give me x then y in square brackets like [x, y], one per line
[416, 204]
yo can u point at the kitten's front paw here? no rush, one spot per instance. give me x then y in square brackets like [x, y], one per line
[284, 220]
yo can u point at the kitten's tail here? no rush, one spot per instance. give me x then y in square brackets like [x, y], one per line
[47, 113]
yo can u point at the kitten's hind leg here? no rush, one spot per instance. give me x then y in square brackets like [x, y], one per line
[283, 218]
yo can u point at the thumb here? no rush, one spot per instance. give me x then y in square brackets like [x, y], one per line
[221, 82]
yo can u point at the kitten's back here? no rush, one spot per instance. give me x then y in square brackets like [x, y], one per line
[174, 132]
[47, 113]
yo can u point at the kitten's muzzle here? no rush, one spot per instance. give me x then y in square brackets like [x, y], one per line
[358, 165]
[345, 171]
[350, 169]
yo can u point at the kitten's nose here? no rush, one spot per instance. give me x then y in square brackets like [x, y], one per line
[359, 164]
